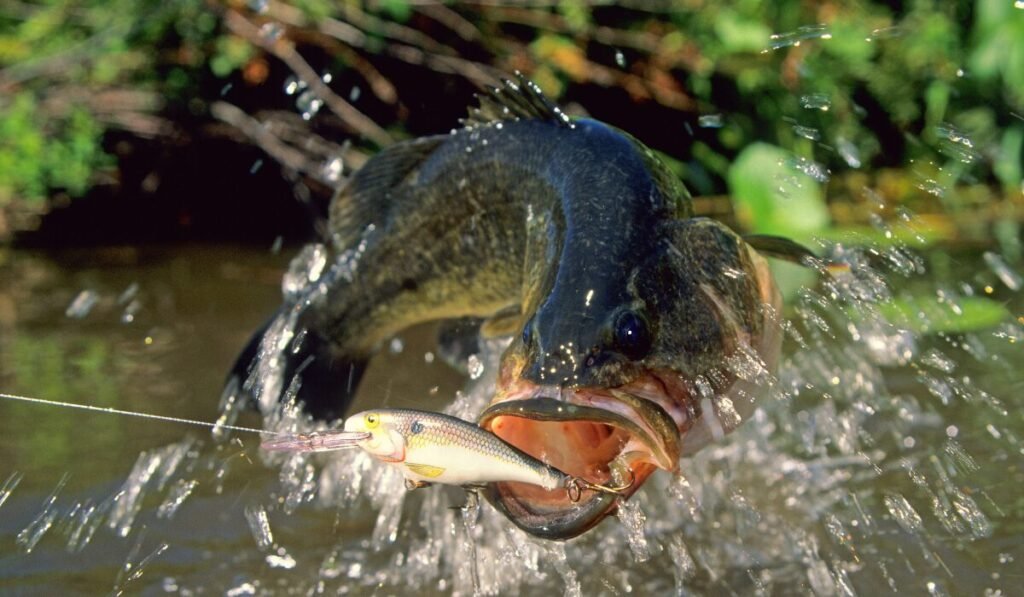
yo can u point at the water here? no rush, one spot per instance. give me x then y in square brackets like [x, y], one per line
[874, 464]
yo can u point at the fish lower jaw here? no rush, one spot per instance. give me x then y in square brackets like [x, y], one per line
[597, 443]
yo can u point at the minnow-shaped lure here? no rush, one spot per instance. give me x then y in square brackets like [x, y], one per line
[429, 447]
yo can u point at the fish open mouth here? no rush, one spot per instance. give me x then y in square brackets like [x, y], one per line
[609, 437]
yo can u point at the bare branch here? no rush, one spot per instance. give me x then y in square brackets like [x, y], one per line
[256, 131]
[285, 51]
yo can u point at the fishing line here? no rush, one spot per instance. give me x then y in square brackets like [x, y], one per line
[128, 413]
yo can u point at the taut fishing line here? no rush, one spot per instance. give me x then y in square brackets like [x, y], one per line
[128, 413]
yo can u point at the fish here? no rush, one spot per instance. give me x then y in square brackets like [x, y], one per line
[429, 447]
[570, 238]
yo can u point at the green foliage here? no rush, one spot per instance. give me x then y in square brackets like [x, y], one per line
[774, 197]
[399, 10]
[37, 156]
[56, 51]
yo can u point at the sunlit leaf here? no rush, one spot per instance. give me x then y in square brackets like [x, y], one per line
[773, 197]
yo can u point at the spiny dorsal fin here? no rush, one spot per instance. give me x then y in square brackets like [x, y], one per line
[521, 99]
[780, 248]
[366, 196]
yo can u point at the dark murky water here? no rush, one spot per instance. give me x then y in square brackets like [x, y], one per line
[877, 463]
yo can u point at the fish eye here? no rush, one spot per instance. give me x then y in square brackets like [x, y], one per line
[372, 420]
[632, 337]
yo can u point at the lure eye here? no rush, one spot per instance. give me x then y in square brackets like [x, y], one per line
[372, 420]
[632, 337]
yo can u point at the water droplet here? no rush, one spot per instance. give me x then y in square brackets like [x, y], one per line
[282, 559]
[271, 32]
[326, 78]
[620, 58]
[428, 357]
[258, 6]
[243, 590]
[849, 152]
[816, 101]
[293, 85]
[176, 497]
[710, 121]
[354, 93]
[333, 169]
[396, 346]
[885, 33]
[82, 304]
[475, 366]
[304, 269]
[633, 519]
[256, 166]
[1010, 278]
[29, 537]
[807, 132]
[795, 38]
[956, 144]
[9, 485]
[259, 524]
[308, 104]
[809, 167]
[904, 513]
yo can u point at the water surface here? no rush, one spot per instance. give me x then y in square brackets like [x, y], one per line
[879, 461]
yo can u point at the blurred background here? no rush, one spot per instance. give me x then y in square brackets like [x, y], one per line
[198, 119]
[162, 160]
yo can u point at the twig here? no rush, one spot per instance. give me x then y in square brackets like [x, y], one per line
[452, 20]
[274, 147]
[408, 35]
[286, 52]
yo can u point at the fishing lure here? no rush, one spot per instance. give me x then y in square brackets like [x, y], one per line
[430, 447]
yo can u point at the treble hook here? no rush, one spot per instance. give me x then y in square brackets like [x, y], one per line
[574, 486]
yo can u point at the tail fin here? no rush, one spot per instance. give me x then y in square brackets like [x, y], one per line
[328, 381]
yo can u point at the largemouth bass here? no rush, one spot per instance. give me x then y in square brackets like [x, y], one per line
[573, 238]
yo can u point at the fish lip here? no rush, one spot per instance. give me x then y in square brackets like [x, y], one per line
[541, 406]
[644, 421]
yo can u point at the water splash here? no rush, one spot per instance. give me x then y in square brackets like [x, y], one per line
[82, 304]
[259, 524]
[794, 38]
[176, 497]
[710, 121]
[1006, 275]
[816, 101]
[29, 537]
[9, 486]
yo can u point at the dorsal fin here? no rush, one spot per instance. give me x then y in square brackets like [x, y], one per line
[521, 99]
[367, 196]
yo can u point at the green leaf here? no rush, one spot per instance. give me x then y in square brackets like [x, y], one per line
[925, 314]
[738, 34]
[773, 197]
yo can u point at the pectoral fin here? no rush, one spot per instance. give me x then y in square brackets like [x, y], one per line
[506, 322]
[425, 470]
[779, 248]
